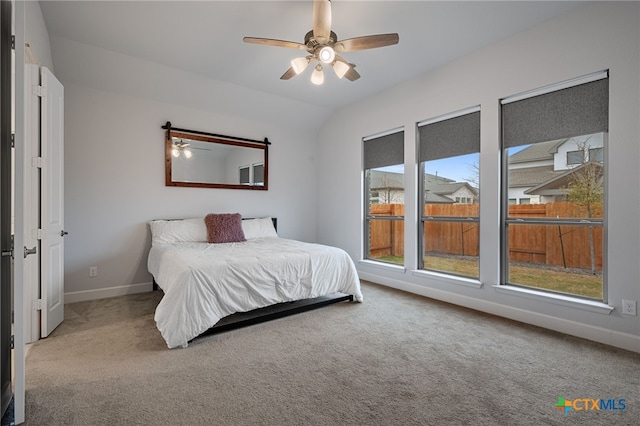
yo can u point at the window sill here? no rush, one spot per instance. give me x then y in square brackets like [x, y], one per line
[558, 299]
[383, 265]
[447, 278]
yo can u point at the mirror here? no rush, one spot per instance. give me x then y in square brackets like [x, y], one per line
[211, 162]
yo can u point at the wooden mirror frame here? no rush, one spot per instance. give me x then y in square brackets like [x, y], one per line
[180, 133]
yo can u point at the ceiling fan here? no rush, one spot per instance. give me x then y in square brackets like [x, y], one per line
[323, 46]
[179, 146]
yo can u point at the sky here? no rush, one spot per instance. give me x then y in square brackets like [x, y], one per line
[458, 168]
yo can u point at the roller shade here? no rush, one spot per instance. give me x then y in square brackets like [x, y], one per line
[258, 173]
[574, 111]
[244, 175]
[450, 137]
[387, 150]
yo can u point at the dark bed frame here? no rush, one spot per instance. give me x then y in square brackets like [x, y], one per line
[273, 312]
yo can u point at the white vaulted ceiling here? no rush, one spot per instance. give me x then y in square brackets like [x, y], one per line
[205, 37]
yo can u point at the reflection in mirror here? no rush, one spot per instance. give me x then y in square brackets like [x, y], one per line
[211, 162]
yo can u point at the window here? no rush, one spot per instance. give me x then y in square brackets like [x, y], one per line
[384, 197]
[258, 173]
[449, 153]
[553, 145]
[252, 175]
[244, 175]
[596, 155]
[575, 157]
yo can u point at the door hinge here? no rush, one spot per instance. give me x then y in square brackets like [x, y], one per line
[38, 90]
[13, 42]
[38, 234]
[38, 162]
[38, 305]
[13, 140]
[13, 342]
[10, 251]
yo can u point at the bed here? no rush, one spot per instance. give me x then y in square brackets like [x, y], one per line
[204, 282]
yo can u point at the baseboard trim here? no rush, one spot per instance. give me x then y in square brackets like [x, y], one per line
[617, 339]
[104, 293]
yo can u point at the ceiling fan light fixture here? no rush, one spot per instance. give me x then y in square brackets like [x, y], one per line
[327, 54]
[317, 77]
[340, 68]
[299, 64]
[323, 47]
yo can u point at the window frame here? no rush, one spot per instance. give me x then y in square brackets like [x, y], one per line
[255, 166]
[575, 154]
[245, 169]
[600, 154]
[422, 218]
[366, 199]
[506, 221]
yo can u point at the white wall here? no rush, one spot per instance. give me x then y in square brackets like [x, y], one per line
[595, 37]
[202, 166]
[114, 161]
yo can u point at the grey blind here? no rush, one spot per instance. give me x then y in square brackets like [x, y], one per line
[450, 138]
[244, 175]
[258, 173]
[574, 111]
[384, 151]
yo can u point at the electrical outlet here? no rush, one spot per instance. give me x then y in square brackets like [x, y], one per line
[93, 271]
[629, 307]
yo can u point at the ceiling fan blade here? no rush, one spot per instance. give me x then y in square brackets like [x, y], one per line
[274, 42]
[366, 42]
[322, 20]
[288, 74]
[352, 74]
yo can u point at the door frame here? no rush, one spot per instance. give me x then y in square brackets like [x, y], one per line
[19, 186]
[6, 188]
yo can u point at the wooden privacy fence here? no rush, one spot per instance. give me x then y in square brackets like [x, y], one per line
[563, 245]
[386, 237]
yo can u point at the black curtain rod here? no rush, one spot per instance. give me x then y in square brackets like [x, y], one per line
[196, 132]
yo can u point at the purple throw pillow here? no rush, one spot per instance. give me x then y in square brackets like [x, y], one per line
[224, 228]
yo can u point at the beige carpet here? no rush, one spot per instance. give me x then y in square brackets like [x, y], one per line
[396, 359]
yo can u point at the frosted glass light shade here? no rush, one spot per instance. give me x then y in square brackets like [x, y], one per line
[317, 77]
[187, 153]
[299, 64]
[175, 152]
[340, 68]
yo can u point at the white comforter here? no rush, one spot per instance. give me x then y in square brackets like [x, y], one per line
[205, 282]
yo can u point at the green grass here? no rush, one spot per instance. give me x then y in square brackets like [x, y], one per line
[580, 283]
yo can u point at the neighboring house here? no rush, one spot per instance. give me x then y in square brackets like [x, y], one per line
[541, 172]
[439, 189]
[388, 188]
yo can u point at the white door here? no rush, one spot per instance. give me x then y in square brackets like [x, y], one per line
[52, 202]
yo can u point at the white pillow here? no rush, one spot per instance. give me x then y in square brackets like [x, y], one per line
[258, 228]
[173, 231]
